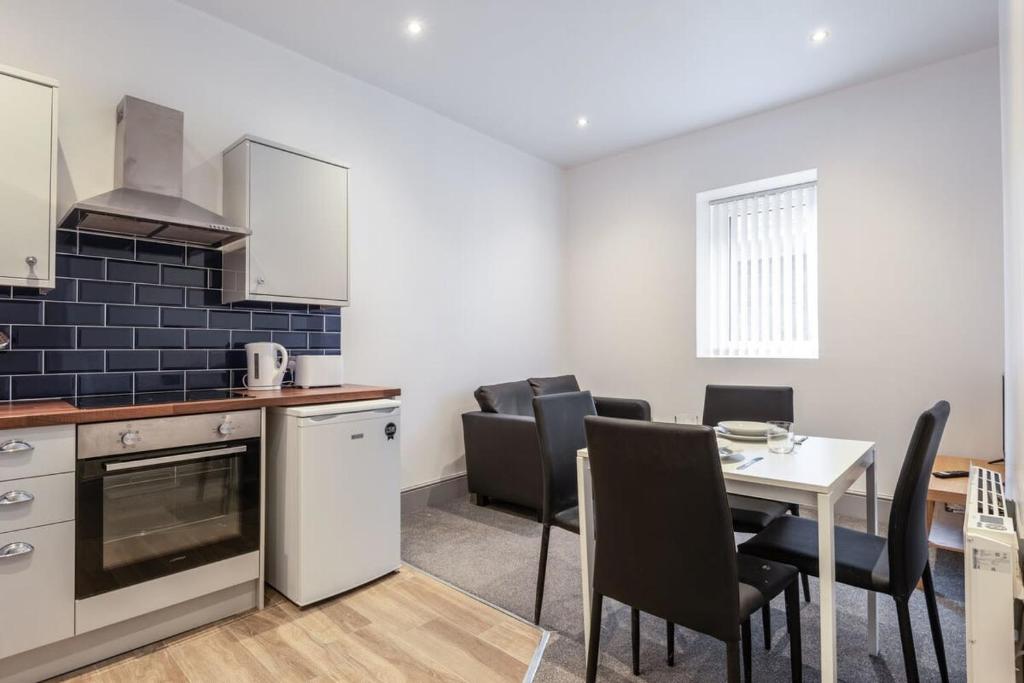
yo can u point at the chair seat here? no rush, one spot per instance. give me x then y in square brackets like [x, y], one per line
[760, 581]
[751, 515]
[862, 559]
[568, 519]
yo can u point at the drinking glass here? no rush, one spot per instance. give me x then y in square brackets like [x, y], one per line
[780, 436]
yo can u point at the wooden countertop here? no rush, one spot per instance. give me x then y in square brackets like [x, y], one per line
[43, 413]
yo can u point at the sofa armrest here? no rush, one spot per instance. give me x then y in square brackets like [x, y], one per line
[503, 457]
[626, 408]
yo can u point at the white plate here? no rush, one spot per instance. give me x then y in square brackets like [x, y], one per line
[743, 428]
[739, 438]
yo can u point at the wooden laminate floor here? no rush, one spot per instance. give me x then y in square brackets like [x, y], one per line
[404, 627]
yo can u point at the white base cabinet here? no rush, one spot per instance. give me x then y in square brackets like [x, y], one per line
[296, 206]
[28, 178]
[37, 537]
[37, 588]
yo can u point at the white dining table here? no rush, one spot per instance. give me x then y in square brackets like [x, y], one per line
[816, 474]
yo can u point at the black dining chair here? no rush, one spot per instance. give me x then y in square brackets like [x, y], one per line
[750, 515]
[891, 565]
[664, 542]
[560, 431]
[561, 434]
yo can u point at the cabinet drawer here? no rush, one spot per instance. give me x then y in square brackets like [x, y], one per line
[37, 587]
[26, 503]
[36, 451]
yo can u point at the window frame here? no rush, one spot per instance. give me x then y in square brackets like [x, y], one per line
[809, 350]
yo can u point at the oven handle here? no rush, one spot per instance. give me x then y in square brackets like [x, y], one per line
[169, 459]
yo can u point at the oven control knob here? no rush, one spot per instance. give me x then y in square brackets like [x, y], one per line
[226, 428]
[131, 438]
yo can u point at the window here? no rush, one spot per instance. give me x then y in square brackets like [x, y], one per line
[757, 269]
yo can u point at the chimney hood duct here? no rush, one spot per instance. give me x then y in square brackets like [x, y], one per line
[147, 201]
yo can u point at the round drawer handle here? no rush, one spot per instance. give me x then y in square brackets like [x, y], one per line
[16, 549]
[16, 497]
[31, 261]
[16, 446]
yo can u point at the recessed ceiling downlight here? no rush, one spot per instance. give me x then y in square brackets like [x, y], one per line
[820, 35]
[414, 27]
[582, 122]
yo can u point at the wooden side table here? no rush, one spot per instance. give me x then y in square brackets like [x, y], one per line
[945, 530]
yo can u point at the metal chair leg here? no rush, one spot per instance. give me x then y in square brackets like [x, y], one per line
[747, 659]
[907, 639]
[766, 625]
[541, 571]
[670, 643]
[634, 628]
[793, 623]
[595, 637]
[732, 662]
[933, 618]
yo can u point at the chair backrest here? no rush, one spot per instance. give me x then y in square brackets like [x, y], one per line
[758, 404]
[664, 541]
[510, 398]
[561, 433]
[908, 533]
[542, 386]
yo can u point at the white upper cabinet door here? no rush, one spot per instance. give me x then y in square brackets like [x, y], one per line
[298, 213]
[28, 152]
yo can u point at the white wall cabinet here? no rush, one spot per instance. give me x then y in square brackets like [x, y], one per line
[296, 206]
[28, 178]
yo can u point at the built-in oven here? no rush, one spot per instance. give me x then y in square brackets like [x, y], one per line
[159, 496]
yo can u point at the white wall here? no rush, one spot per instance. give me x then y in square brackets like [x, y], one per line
[456, 239]
[1011, 49]
[910, 259]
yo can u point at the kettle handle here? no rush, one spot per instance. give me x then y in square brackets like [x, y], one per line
[282, 366]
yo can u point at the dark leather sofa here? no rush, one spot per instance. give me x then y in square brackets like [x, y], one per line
[502, 449]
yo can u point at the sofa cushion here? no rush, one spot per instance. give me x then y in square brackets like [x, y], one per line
[563, 384]
[511, 398]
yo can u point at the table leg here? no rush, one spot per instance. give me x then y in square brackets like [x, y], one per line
[827, 587]
[871, 500]
[586, 512]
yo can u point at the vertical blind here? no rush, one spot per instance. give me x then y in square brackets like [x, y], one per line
[758, 275]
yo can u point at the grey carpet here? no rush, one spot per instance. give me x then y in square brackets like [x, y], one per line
[492, 553]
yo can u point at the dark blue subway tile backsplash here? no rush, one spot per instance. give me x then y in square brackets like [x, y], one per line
[25, 387]
[42, 337]
[21, 311]
[73, 361]
[133, 360]
[80, 266]
[105, 245]
[131, 315]
[21, 362]
[162, 296]
[132, 271]
[63, 313]
[106, 292]
[104, 338]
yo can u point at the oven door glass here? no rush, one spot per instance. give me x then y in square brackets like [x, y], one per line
[157, 513]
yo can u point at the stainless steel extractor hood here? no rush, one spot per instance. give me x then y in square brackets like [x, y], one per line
[147, 201]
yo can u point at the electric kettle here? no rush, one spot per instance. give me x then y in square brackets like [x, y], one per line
[266, 362]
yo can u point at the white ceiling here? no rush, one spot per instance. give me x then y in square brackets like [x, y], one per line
[522, 71]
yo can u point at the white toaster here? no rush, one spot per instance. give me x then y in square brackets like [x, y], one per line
[319, 371]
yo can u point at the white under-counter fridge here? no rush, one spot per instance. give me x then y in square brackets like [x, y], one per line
[333, 497]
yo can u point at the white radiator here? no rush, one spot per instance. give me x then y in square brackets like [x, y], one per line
[992, 577]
